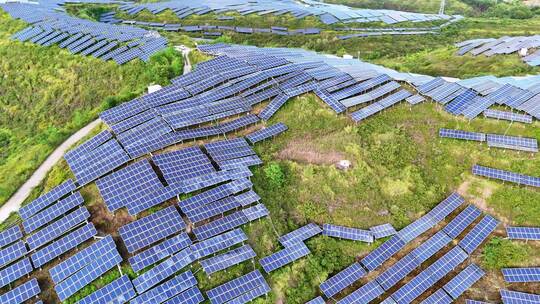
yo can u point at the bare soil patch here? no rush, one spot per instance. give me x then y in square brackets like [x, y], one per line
[305, 152]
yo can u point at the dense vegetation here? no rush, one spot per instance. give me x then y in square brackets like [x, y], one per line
[48, 93]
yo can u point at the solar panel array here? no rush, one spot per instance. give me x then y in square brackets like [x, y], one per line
[49, 26]
[167, 290]
[510, 116]
[266, 133]
[506, 176]
[503, 45]
[523, 233]
[382, 231]
[284, 257]
[21, 293]
[247, 287]
[512, 142]
[300, 235]
[152, 228]
[463, 281]
[459, 134]
[514, 297]
[118, 291]
[521, 275]
[347, 233]
[228, 259]
[342, 280]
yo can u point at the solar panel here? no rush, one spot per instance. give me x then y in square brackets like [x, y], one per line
[163, 270]
[317, 300]
[152, 228]
[218, 243]
[512, 142]
[267, 132]
[167, 290]
[462, 221]
[382, 231]
[252, 294]
[347, 233]
[514, 297]
[21, 293]
[475, 302]
[463, 281]
[497, 174]
[342, 280]
[57, 228]
[444, 208]
[228, 259]
[15, 271]
[46, 199]
[247, 198]
[382, 253]
[398, 271]
[299, 235]
[284, 257]
[12, 253]
[330, 100]
[428, 277]
[70, 241]
[523, 233]
[60, 208]
[82, 258]
[273, 106]
[415, 229]
[190, 296]
[504, 115]
[221, 225]
[438, 297]
[10, 235]
[255, 212]
[160, 251]
[459, 134]
[118, 291]
[478, 234]
[521, 275]
[364, 294]
[87, 274]
[236, 288]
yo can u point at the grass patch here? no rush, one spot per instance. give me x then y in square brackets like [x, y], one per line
[500, 253]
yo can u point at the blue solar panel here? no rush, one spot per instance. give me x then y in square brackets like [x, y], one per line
[118, 291]
[428, 277]
[82, 258]
[462, 221]
[415, 229]
[167, 290]
[212, 209]
[21, 293]
[236, 288]
[11, 253]
[255, 212]
[221, 225]
[46, 199]
[475, 302]
[252, 294]
[58, 228]
[15, 271]
[317, 300]
[10, 235]
[364, 294]
[435, 243]
[342, 280]
[463, 281]
[438, 297]
[382, 231]
[163, 270]
[190, 296]
[284, 257]
[64, 244]
[152, 228]
[87, 274]
[218, 243]
[515, 297]
[274, 106]
[512, 142]
[460, 134]
[60, 208]
[347, 233]
[521, 275]
[381, 254]
[523, 233]
[299, 235]
[247, 198]
[508, 116]
[444, 208]
[228, 259]
[398, 271]
[160, 251]
[478, 234]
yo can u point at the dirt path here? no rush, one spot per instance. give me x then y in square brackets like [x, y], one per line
[15, 201]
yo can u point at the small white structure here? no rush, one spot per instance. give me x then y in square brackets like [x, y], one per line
[347, 56]
[343, 164]
[523, 52]
[154, 88]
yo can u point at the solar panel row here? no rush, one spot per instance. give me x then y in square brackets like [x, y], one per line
[160, 251]
[347, 233]
[284, 257]
[118, 291]
[167, 290]
[506, 176]
[236, 288]
[342, 280]
[300, 235]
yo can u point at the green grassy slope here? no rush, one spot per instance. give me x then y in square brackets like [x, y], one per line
[48, 93]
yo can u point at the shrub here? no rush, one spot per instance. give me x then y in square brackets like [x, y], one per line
[165, 65]
[275, 175]
[500, 253]
[510, 10]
